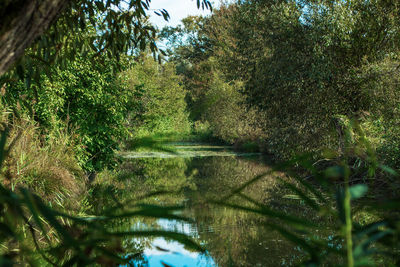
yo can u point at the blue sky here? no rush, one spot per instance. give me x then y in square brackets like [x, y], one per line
[177, 9]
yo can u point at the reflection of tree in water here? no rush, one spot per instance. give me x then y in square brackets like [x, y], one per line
[219, 175]
[231, 237]
[134, 179]
[141, 176]
[236, 238]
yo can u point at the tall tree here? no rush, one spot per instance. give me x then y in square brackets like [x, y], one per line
[120, 26]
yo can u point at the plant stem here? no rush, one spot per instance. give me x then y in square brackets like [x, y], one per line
[347, 210]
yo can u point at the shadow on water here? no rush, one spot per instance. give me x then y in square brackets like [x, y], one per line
[232, 238]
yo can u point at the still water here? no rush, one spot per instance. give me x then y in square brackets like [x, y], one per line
[196, 174]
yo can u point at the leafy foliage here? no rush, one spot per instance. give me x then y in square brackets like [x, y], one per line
[212, 99]
[117, 27]
[84, 97]
[50, 169]
[286, 75]
[302, 65]
[160, 99]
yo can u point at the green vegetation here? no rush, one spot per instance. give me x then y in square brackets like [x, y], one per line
[50, 169]
[83, 97]
[82, 83]
[290, 71]
[160, 99]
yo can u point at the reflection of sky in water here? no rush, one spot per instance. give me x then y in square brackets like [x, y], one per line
[189, 154]
[178, 226]
[176, 255]
[188, 150]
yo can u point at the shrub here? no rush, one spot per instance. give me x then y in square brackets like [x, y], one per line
[82, 95]
[159, 99]
[47, 166]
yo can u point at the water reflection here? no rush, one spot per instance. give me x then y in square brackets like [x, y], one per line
[174, 254]
[232, 238]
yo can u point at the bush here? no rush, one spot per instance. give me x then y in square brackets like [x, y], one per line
[84, 96]
[159, 99]
[48, 167]
[224, 109]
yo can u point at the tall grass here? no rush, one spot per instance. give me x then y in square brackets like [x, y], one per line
[45, 164]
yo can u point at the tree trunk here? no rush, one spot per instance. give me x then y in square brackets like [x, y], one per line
[21, 22]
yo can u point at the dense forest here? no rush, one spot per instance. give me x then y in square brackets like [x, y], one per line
[311, 86]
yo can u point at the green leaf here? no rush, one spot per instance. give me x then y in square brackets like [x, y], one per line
[3, 139]
[340, 205]
[388, 170]
[357, 191]
[311, 202]
[334, 172]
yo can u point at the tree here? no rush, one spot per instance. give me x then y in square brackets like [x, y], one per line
[34, 34]
[63, 36]
[307, 65]
[160, 97]
[22, 22]
[214, 89]
[53, 26]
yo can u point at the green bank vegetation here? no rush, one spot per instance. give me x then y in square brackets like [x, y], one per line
[289, 74]
[281, 77]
